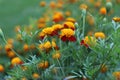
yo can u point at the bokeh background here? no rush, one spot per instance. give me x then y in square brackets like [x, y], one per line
[17, 12]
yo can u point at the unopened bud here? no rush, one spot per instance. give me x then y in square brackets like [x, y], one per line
[108, 6]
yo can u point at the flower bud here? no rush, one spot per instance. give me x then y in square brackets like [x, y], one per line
[108, 6]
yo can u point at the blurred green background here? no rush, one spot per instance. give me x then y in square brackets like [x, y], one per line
[17, 12]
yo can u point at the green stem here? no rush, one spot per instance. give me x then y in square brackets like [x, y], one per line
[83, 25]
[13, 50]
[61, 68]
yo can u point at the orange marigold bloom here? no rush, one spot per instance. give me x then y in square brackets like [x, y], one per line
[16, 61]
[36, 75]
[103, 11]
[116, 19]
[48, 30]
[57, 55]
[97, 4]
[1, 68]
[67, 13]
[8, 47]
[70, 20]
[43, 64]
[10, 41]
[11, 54]
[47, 45]
[42, 35]
[42, 20]
[69, 25]
[41, 25]
[104, 68]
[57, 17]
[57, 27]
[67, 35]
[26, 47]
[99, 35]
[117, 75]
[89, 40]
[42, 3]
[52, 4]
[54, 45]
[83, 6]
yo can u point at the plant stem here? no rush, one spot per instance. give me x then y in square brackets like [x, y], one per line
[61, 68]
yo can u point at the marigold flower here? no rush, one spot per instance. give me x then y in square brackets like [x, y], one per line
[48, 31]
[103, 11]
[42, 3]
[8, 47]
[67, 35]
[57, 27]
[67, 13]
[97, 4]
[43, 64]
[54, 45]
[41, 20]
[116, 19]
[41, 25]
[36, 75]
[57, 55]
[10, 54]
[41, 35]
[10, 41]
[1, 68]
[16, 61]
[69, 19]
[24, 78]
[117, 75]
[26, 47]
[89, 40]
[52, 4]
[104, 68]
[57, 17]
[69, 25]
[83, 6]
[47, 45]
[99, 35]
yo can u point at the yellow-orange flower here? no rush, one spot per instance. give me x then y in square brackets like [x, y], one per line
[10, 54]
[41, 25]
[57, 55]
[8, 47]
[42, 3]
[67, 13]
[26, 47]
[10, 41]
[52, 4]
[69, 25]
[1, 68]
[116, 19]
[16, 61]
[103, 11]
[99, 35]
[83, 6]
[43, 64]
[47, 45]
[69, 19]
[104, 68]
[57, 27]
[117, 75]
[48, 30]
[90, 40]
[67, 35]
[57, 17]
[36, 75]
